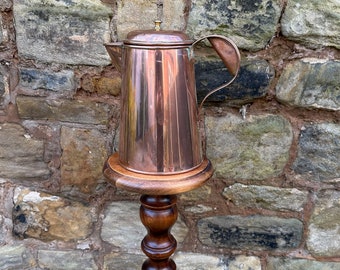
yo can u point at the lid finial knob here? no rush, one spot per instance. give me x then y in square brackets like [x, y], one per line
[158, 25]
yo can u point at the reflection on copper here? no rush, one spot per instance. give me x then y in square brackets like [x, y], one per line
[159, 132]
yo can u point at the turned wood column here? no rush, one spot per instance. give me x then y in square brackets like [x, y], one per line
[158, 211]
[158, 214]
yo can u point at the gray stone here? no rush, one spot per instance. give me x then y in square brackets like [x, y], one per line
[66, 260]
[310, 83]
[123, 228]
[256, 148]
[6, 192]
[21, 156]
[46, 217]
[324, 228]
[1, 31]
[250, 233]
[70, 32]
[266, 197]
[173, 15]
[5, 5]
[251, 24]
[300, 264]
[83, 155]
[75, 111]
[312, 22]
[48, 80]
[197, 261]
[319, 152]
[123, 261]
[15, 257]
[252, 81]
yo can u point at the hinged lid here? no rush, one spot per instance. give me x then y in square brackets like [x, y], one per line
[157, 37]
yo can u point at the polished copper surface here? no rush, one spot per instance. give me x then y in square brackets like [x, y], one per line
[159, 131]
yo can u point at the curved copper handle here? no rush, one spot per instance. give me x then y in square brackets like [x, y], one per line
[230, 55]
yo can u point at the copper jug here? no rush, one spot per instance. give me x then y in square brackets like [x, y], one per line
[159, 131]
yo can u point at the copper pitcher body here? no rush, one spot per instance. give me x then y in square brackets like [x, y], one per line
[158, 129]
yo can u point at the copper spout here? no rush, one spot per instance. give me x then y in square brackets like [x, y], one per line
[115, 51]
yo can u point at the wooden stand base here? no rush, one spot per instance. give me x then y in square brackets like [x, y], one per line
[158, 210]
[158, 214]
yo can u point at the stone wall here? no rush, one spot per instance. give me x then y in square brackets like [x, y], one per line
[273, 136]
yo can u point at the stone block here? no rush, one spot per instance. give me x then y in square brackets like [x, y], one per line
[197, 261]
[75, 111]
[300, 264]
[46, 217]
[15, 257]
[313, 23]
[252, 81]
[129, 19]
[250, 233]
[324, 227]
[310, 83]
[255, 148]
[319, 152]
[21, 156]
[123, 228]
[83, 156]
[251, 24]
[68, 32]
[102, 85]
[47, 80]
[123, 261]
[66, 260]
[266, 197]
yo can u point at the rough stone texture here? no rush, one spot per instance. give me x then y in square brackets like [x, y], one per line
[146, 13]
[83, 155]
[21, 156]
[250, 233]
[15, 257]
[76, 111]
[47, 80]
[2, 87]
[300, 264]
[6, 225]
[251, 24]
[252, 81]
[255, 148]
[324, 228]
[102, 85]
[319, 152]
[196, 261]
[66, 260]
[312, 22]
[1, 31]
[47, 217]
[272, 198]
[310, 83]
[70, 32]
[123, 261]
[5, 5]
[122, 227]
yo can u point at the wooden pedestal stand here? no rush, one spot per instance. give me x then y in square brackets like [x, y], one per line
[158, 211]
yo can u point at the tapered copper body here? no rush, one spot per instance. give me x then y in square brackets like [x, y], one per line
[159, 131]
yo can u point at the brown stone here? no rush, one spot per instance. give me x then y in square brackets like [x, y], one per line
[106, 85]
[47, 217]
[83, 156]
